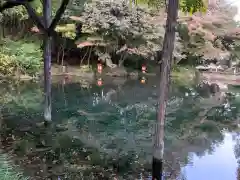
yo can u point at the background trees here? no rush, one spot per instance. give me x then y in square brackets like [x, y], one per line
[197, 33]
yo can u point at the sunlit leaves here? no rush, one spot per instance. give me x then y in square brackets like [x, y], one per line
[6, 64]
[67, 30]
[66, 27]
[37, 6]
[192, 6]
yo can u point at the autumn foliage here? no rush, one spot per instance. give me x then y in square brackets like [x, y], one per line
[201, 34]
[208, 27]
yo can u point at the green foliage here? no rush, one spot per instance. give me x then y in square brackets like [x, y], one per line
[115, 28]
[37, 6]
[151, 3]
[191, 42]
[180, 73]
[13, 14]
[7, 64]
[193, 6]
[67, 30]
[19, 13]
[132, 32]
[75, 8]
[21, 56]
[189, 6]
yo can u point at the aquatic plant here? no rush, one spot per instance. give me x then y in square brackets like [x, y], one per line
[7, 171]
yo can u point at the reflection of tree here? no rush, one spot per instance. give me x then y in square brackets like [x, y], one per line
[199, 135]
[230, 111]
[7, 170]
[237, 146]
[114, 136]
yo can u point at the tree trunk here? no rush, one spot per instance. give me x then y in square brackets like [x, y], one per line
[47, 9]
[47, 27]
[165, 70]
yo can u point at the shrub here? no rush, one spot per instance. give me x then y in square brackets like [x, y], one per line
[7, 64]
[24, 57]
[113, 28]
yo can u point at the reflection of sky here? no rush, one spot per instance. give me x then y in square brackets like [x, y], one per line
[220, 165]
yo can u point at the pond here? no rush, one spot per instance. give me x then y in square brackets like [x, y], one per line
[105, 131]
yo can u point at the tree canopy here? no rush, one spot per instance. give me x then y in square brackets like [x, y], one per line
[137, 32]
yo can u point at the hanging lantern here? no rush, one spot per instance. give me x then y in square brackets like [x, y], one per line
[99, 67]
[144, 68]
[99, 82]
[143, 80]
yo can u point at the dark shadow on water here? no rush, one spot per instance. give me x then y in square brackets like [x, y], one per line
[106, 132]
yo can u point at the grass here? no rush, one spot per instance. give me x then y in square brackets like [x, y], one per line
[8, 171]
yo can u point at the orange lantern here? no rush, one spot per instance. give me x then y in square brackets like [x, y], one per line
[99, 82]
[99, 67]
[143, 80]
[144, 68]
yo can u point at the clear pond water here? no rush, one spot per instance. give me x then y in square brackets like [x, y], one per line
[105, 132]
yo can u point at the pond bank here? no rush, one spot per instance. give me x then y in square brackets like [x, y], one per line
[226, 78]
[84, 74]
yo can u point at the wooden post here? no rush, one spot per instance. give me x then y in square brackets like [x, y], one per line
[47, 57]
[165, 71]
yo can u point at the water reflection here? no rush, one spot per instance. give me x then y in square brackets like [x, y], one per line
[220, 164]
[102, 132]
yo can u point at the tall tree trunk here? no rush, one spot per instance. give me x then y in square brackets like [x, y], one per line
[165, 70]
[47, 9]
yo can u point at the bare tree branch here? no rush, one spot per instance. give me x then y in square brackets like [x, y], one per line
[49, 30]
[58, 16]
[35, 18]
